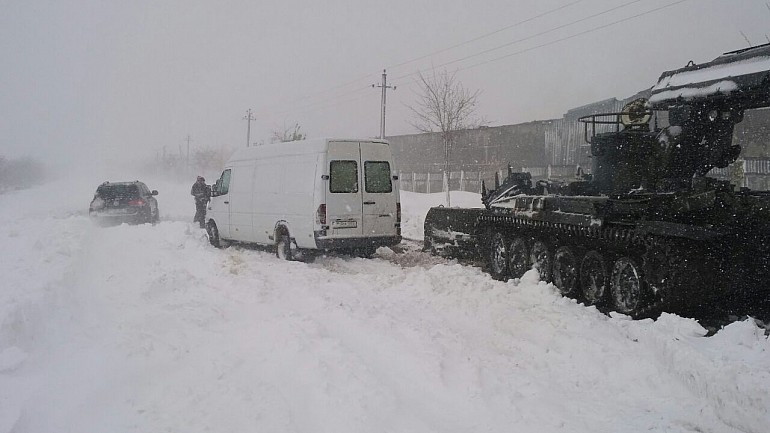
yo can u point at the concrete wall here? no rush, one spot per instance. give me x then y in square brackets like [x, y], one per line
[485, 149]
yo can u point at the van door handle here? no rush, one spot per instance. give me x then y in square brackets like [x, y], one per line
[369, 202]
[227, 202]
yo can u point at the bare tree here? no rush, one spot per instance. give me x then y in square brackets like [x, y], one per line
[291, 133]
[445, 106]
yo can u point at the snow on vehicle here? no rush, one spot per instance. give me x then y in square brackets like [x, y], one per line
[323, 194]
[647, 231]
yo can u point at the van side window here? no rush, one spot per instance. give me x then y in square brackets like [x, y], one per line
[224, 182]
[343, 176]
[377, 177]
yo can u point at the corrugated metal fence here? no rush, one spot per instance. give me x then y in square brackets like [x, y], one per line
[753, 173]
[434, 182]
[472, 180]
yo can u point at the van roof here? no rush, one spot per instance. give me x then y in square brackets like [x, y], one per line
[301, 147]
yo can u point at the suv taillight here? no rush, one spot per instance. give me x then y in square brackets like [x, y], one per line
[398, 213]
[136, 202]
[320, 215]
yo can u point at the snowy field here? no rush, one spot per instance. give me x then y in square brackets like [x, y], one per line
[149, 329]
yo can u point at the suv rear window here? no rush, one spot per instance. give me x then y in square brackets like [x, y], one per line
[343, 176]
[114, 191]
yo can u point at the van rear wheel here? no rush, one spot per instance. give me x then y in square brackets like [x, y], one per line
[283, 248]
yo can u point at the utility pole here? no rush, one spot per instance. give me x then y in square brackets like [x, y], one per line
[384, 87]
[249, 118]
[188, 152]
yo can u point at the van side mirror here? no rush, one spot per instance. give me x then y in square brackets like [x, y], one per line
[215, 189]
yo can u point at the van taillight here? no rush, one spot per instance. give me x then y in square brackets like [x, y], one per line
[321, 214]
[136, 202]
[398, 213]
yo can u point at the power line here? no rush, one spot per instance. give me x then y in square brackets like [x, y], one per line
[363, 77]
[576, 35]
[321, 92]
[487, 34]
[507, 44]
[311, 104]
[495, 48]
[324, 102]
[320, 105]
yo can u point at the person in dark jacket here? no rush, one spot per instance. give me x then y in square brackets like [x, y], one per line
[202, 194]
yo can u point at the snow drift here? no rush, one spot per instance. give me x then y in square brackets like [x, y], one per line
[148, 328]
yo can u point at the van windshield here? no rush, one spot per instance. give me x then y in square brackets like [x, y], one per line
[343, 176]
[377, 177]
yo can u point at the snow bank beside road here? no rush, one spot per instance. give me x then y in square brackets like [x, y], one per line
[148, 328]
[415, 206]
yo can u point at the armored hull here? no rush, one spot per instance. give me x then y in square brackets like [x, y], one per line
[700, 249]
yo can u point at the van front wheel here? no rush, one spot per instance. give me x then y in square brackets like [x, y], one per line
[283, 248]
[213, 233]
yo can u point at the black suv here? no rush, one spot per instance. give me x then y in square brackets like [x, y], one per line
[124, 202]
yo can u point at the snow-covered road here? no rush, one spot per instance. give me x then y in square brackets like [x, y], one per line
[149, 329]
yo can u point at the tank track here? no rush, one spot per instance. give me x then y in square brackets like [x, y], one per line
[669, 271]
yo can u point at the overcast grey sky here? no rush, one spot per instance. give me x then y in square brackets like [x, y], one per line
[96, 79]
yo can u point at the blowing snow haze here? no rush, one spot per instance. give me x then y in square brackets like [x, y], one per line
[104, 80]
[150, 328]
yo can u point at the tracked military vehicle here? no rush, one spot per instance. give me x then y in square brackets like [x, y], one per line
[647, 231]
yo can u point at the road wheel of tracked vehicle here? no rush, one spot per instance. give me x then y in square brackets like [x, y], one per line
[593, 278]
[565, 271]
[498, 257]
[626, 287]
[213, 233]
[283, 248]
[428, 245]
[518, 253]
[541, 258]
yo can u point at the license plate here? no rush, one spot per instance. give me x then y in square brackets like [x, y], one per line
[343, 224]
[119, 211]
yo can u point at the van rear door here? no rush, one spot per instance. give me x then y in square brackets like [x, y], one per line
[343, 198]
[379, 196]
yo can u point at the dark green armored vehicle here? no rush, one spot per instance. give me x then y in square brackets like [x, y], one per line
[647, 231]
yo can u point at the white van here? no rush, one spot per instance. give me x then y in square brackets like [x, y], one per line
[324, 194]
